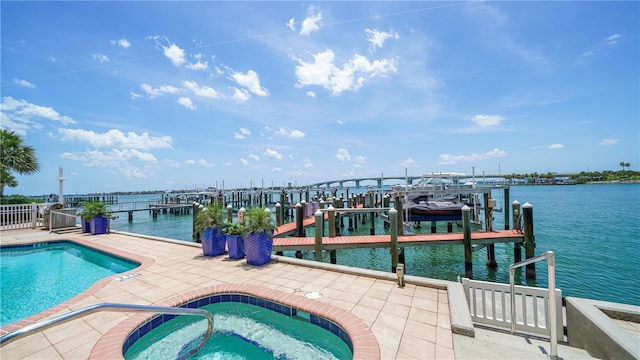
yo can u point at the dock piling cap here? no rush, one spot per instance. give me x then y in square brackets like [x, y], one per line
[527, 205]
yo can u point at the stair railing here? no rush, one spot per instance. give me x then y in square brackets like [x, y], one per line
[45, 324]
[551, 275]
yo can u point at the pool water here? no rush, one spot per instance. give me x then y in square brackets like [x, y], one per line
[35, 277]
[241, 331]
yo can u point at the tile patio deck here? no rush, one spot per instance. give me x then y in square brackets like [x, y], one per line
[412, 322]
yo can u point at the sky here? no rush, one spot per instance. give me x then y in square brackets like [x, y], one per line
[153, 95]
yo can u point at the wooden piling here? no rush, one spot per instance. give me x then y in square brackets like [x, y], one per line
[466, 230]
[517, 226]
[278, 214]
[529, 239]
[319, 230]
[332, 222]
[393, 220]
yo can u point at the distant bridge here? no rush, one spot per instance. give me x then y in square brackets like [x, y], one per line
[379, 181]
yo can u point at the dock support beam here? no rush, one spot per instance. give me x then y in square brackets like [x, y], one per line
[466, 230]
[529, 239]
[318, 240]
[517, 226]
[393, 230]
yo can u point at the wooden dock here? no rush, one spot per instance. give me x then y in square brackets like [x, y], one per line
[384, 241]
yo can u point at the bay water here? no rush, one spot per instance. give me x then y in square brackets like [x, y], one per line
[593, 230]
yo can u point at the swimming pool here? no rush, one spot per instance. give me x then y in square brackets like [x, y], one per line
[245, 327]
[37, 276]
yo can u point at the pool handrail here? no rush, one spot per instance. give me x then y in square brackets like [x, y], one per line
[45, 324]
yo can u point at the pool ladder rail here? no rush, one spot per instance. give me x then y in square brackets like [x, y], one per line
[45, 324]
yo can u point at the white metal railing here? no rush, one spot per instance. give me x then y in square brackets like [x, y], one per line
[553, 308]
[47, 323]
[21, 216]
[490, 304]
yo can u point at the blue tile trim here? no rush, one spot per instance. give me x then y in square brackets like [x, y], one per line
[242, 298]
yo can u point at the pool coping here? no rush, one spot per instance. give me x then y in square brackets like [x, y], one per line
[98, 285]
[365, 344]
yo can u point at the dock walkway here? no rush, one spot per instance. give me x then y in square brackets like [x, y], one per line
[384, 241]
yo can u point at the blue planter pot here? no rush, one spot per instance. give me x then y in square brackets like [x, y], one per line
[235, 243]
[258, 248]
[213, 242]
[98, 225]
[86, 226]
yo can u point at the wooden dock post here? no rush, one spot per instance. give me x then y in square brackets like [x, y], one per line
[372, 231]
[506, 206]
[397, 205]
[466, 230]
[130, 218]
[517, 226]
[332, 221]
[299, 221]
[319, 230]
[393, 231]
[229, 213]
[529, 239]
[278, 214]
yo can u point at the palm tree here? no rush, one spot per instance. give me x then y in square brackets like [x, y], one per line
[627, 165]
[15, 156]
[622, 163]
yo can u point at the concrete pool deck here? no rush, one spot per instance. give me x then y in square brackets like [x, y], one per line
[411, 322]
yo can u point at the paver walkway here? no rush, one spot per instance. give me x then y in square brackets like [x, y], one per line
[411, 322]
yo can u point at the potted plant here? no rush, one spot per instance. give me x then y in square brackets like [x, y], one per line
[97, 214]
[235, 240]
[258, 235]
[209, 223]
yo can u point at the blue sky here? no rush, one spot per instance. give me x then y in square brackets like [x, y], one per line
[175, 95]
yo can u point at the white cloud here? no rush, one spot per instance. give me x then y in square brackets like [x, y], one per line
[448, 159]
[116, 138]
[20, 115]
[254, 157]
[243, 133]
[116, 159]
[200, 65]
[171, 163]
[311, 23]
[203, 91]
[307, 162]
[190, 161]
[101, 58]
[613, 39]
[555, 146]
[343, 155]
[350, 76]
[272, 154]
[359, 158]
[291, 24]
[609, 141]
[174, 53]
[290, 134]
[276, 169]
[311, 94]
[487, 120]
[24, 83]
[244, 162]
[377, 38]
[187, 103]
[159, 91]
[407, 163]
[240, 95]
[250, 81]
[122, 42]
[205, 163]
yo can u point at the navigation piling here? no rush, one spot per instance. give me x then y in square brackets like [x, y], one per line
[517, 226]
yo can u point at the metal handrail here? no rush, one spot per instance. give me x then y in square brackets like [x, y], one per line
[45, 324]
[551, 265]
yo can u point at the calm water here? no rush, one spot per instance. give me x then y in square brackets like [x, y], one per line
[594, 231]
[36, 279]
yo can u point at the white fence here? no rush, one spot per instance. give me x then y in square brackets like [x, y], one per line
[490, 304]
[21, 216]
